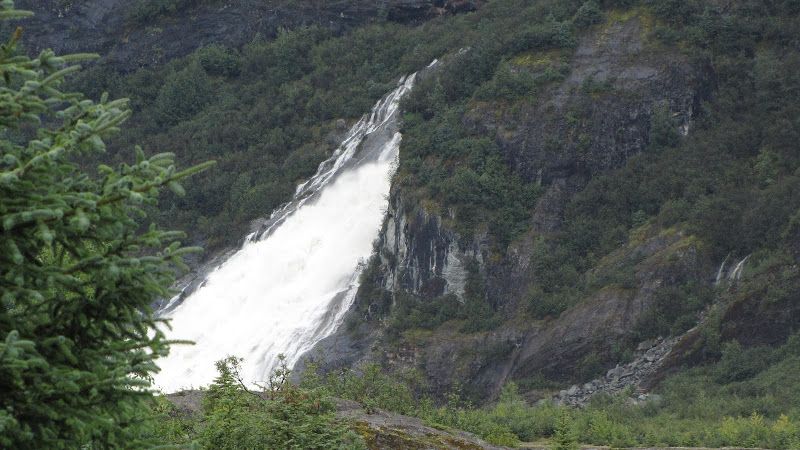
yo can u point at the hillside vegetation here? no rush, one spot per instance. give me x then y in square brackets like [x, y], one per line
[592, 214]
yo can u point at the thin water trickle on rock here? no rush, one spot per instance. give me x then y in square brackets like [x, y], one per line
[734, 273]
[292, 281]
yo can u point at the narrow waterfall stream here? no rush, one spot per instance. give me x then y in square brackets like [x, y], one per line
[291, 282]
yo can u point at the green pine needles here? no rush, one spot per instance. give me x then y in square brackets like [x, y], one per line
[78, 340]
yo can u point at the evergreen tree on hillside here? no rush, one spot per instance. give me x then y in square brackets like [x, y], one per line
[78, 340]
[183, 95]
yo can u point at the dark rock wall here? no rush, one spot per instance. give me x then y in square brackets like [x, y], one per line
[428, 259]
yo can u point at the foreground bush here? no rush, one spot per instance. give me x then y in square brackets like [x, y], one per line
[281, 415]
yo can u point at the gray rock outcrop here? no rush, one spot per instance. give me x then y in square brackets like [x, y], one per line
[647, 360]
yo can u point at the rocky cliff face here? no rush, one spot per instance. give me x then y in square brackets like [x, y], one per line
[107, 27]
[600, 114]
[592, 121]
[422, 256]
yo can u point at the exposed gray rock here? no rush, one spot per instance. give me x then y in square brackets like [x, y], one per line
[646, 345]
[569, 132]
[620, 378]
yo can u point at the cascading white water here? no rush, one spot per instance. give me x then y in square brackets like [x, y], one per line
[738, 269]
[732, 274]
[721, 270]
[291, 283]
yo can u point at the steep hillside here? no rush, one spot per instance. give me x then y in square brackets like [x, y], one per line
[571, 178]
[596, 202]
[572, 196]
[268, 109]
[130, 34]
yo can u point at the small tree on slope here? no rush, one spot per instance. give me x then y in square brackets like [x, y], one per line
[78, 341]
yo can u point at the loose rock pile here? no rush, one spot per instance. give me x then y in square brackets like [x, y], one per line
[647, 359]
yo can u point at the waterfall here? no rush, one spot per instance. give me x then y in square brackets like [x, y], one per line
[733, 274]
[292, 281]
[721, 270]
[736, 273]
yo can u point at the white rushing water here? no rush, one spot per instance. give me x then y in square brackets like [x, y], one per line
[732, 274]
[291, 283]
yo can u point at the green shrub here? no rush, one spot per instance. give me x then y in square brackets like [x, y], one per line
[564, 437]
[663, 127]
[218, 60]
[674, 310]
[750, 432]
[591, 366]
[588, 14]
[507, 85]
[603, 430]
[500, 435]
[738, 364]
[282, 416]
[784, 434]
[183, 95]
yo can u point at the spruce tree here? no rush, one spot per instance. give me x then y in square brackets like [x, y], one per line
[564, 438]
[78, 340]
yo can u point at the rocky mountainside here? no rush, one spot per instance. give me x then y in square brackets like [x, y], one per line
[601, 114]
[593, 233]
[129, 38]
[619, 84]
[421, 256]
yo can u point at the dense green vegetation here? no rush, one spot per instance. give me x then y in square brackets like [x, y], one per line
[78, 340]
[266, 112]
[467, 173]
